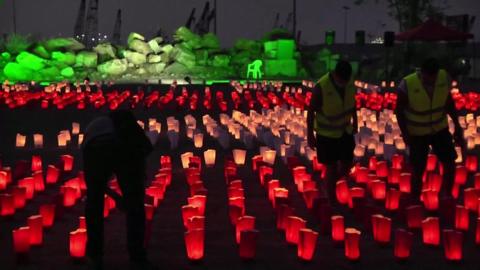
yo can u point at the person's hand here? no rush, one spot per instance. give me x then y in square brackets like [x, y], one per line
[311, 140]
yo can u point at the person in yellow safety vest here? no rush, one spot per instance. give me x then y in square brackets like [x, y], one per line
[332, 122]
[424, 101]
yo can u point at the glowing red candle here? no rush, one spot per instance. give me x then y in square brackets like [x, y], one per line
[235, 192]
[19, 196]
[361, 175]
[272, 185]
[306, 244]
[461, 218]
[394, 176]
[78, 242]
[393, 199]
[165, 161]
[471, 163]
[452, 245]
[35, 223]
[52, 174]
[196, 222]
[237, 201]
[382, 227]
[82, 223]
[36, 163]
[3, 180]
[433, 182]
[21, 240]
[255, 161]
[243, 224]
[342, 192]
[67, 162]
[470, 199]
[372, 163]
[415, 216]
[382, 169]
[431, 231]
[404, 182]
[477, 232]
[263, 172]
[235, 212]
[189, 211]
[29, 186]
[70, 195]
[38, 183]
[200, 202]
[431, 163]
[194, 243]
[379, 189]
[430, 199]
[397, 161]
[403, 244]
[279, 193]
[310, 196]
[156, 193]
[477, 180]
[338, 228]
[460, 175]
[294, 224]
[47, 211]
[248, 244]
[352, 244]
[7, 205]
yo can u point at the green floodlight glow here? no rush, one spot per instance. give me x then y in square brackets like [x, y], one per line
[329, 37]
[254, 69]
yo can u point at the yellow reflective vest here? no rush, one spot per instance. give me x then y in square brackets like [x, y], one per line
[425, 115]
[335, 116]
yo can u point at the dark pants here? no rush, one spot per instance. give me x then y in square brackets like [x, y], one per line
[102, 158]
[443, 147]
[337, 155]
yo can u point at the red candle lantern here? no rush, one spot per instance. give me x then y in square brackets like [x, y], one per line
[235, 192]
[21, 240]
[189, 211]
[378, 188]
[393, 199]
[310, 196]
[342, 192]
[194, 242]
[403, 244]
[452, 245]
[361, 175]
[69, 196]
[52, 174]
[36, 163]
[430, 199]
[82, 223]
[470, 199]
[460, 175]
[433, 182]
[7, 205]
[283, 211]
[149, 211]
[461, 218]
[272, 185]
[3, 180]
[235, 212]
[404, 183]
[38, 183]
[471, 163]
[243, 224]
[67, 161]
[255, 161]
[372, 163]
[197, 222]
[294, 224]
[279, 193]
[382, 169]
[237, 201]
[394, 176]
[477, 232]
[338, 228]
[248, 244]
[19, 196]
[35, 223]
[306, 244]
[431, 163]
[397, 161]
[29, 186]
[431, 231]
[78, 242]
[352, 244]
[47, 211]
[415, 216]
[264, 171]
[200, 202]
[382, 227]
[477, 181]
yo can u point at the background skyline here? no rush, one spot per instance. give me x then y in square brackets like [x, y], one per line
[236, 19]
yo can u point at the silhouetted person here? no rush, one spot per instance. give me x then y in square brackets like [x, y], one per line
[116, 144]
[424, 101]
[332, 116]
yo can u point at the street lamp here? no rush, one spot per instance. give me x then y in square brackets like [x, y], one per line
[346, 9]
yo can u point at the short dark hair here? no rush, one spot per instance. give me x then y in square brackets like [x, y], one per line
[343, 70]
[430, 66]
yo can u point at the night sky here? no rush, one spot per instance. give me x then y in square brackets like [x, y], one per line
[237, 18]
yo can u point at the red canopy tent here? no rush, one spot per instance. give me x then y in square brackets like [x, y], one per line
[432, 31]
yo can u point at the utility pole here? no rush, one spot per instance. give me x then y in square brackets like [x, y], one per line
[294, 34]
[79, 29]
[14, 17]
[216, 16]
[346, 9]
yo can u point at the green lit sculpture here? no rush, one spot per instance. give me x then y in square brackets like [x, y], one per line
[254, 70]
